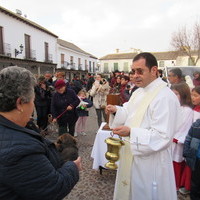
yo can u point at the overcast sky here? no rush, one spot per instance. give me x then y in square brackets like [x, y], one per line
[101, 26]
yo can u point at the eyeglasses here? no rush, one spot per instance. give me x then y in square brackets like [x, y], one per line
[139, 71]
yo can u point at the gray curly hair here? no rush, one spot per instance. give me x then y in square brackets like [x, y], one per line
[15, 82]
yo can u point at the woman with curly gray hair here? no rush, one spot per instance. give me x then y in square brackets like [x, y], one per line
[31, 168]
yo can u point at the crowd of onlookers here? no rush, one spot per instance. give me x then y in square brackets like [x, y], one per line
[95, 89]
[186, 142]
[51, 93]
[33, 160]
[68, 103]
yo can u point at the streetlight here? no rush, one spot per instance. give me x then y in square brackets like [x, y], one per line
[19, 52]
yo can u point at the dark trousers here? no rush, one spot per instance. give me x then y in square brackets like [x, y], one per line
[100, 112]
[68, 128]
[195, 182]
[42, 116]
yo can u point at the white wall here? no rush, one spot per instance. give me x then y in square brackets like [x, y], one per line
[167, 63]
[13, 34]
[69, 52]
[120, 64]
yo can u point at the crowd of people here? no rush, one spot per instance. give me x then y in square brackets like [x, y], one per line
[158, 118]
[161, 131]
[51, 94]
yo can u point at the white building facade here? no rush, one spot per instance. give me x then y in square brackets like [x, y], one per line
[123, 61]
[25, 43]
[73, 60]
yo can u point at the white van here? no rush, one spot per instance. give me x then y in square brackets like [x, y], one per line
[186, 70]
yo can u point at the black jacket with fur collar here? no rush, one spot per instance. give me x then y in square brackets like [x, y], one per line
[30, 166]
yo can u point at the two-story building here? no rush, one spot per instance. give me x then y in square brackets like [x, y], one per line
[123, 61]
[73, 60]
[26, 44]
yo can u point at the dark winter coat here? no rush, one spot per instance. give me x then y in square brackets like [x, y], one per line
[84, 112]
[124, 94]
[192, 144]
[89, 83]
[59, 104]
[42, 97]
[30, 166]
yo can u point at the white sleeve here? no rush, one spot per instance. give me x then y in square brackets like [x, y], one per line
[93, 90]
[159, 127]
[120, 117]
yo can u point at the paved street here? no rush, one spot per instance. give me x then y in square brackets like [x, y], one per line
[92, 185]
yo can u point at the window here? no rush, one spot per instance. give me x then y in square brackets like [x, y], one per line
[86, 66]
[126, 69]
[90, 66]
[46, 51]
[71, 60]
[27, 39]
[93, 66]
[106, 68]
[79, 61]
[1, 40]
[161, 64]
[191, 61]
[115, 66]
[62, 58]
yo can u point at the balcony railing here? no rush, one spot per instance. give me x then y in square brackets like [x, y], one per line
[6, 50]
[80, 67]
[33, 54]
[30, 54]
[65, 65]
[86, 67]
[72, 66]
[49, 59]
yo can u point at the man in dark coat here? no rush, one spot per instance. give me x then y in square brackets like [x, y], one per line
[89, 82]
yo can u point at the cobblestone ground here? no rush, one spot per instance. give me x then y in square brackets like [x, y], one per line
[92, 185]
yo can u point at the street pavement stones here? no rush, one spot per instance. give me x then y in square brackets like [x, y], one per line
[92, 185]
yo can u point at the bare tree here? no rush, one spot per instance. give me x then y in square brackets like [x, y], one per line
[187, 42]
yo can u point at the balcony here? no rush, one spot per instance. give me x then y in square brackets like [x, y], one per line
[80, 67]
[49, 58]
[30, 54]
[65, 65]
[72, 66]
[6, 50]
[86, 67]
[33, 54]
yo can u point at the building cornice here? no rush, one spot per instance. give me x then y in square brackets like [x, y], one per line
[26, 21]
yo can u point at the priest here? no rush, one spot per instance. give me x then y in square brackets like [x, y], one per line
[147, 123]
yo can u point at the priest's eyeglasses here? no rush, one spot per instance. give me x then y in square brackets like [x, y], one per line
[139, 71]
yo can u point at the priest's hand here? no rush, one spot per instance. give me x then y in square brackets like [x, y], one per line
[111, 109]
[122, 131]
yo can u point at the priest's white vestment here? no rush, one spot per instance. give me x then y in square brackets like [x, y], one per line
[151, 143]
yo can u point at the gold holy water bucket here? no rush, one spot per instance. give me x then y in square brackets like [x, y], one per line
[112, 154]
